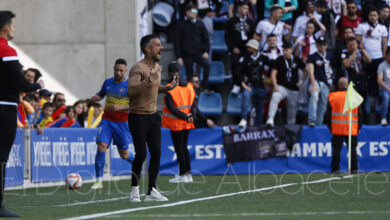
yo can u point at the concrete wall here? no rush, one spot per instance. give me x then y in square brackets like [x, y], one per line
[77, 41]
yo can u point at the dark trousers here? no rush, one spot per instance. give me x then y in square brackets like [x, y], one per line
[146, 130]
[371, 72]
[180, 139]
[236, 67]
[337, 144]
[7, 135]
[189, 65]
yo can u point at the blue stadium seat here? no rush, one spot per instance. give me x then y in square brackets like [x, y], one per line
[234, 104]
[217, 72]
[210, 104]
[218, 43]
[224, 11]
[183, 72]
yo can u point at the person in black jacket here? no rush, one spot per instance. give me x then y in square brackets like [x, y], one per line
[192, 44]
[239, 30]
[11, 84]
[252, 80]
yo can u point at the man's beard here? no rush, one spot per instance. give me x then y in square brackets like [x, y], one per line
[351, 14]
[9, 37]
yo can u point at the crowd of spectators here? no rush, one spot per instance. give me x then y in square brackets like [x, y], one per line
[44, 109]
[294, 50]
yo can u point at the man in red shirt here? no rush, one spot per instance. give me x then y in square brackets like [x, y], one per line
[351, 20]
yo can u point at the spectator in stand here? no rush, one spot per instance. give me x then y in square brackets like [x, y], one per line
[306, 44]
[25, 110]
[384, 16]
[239, 29]
[79, 113]
[373, 36]
[270, 55]
[300, 23]
[59, 105]
[192, 44]
[320, 73]
[285, 79]
[47, 111]
[327, 19]
[337, 7]
[288, 6]
[44, 96]
[252, 80]
[234, 4]
[34, 102]
[200, 120]
[350, 20]
[353, 62]
[384, 84]
[273, 25]
[32, 75]
[70, 117]
[340, 46]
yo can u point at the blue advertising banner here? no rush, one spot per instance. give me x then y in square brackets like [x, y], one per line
[14, 173]
[59, 151]
[312, 154]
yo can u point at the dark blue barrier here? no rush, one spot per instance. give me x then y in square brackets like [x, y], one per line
[60, 151]
[15, 165]
[312, 154]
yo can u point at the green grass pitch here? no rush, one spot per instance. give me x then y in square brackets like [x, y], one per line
[309, 196]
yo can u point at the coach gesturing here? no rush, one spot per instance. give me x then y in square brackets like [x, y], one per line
[144, 121]
[11, 84]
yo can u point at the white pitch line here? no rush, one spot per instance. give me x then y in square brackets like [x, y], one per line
[192, 200]
[176, 203]
[96, 201]
[255, 214]
[91, 202]
[321, 180]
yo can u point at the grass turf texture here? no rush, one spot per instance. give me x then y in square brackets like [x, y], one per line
[367, 193]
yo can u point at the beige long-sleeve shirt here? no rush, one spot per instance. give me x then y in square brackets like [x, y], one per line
[142, 92]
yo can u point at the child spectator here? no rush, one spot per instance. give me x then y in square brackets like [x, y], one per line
[47, 111]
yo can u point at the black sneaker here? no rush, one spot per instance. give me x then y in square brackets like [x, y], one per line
[5, 213]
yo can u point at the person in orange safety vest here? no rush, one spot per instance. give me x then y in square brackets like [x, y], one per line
[338, 123]
[178, 118]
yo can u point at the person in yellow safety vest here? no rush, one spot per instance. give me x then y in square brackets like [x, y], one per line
[178, 118]
[338, 124]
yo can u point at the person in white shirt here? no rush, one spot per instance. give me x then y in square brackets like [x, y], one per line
[373, 36]
[300, 23]
[306, 43]
[273, 25]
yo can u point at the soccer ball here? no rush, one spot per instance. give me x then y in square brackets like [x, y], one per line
[73, 181]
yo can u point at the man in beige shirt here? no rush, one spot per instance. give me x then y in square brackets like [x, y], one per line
[144, 121]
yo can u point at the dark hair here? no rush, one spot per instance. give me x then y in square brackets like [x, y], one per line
[275, 7]
[121, 61]
[47, 105]
[385, 6]
[321, 4]
[348, 2]
[350, 39]
[271, 35]
[31, 97]
[36, 71]
[146, 40]
[311, 22]
[96, 105]
[287, 45]
[173, 67]
[388, 51]
[190, 6]
[373, 9]
[68, 108]
[348, 27]
[55, 96]
[5, 18]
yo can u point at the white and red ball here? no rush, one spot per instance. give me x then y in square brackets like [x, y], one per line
[73, 181]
